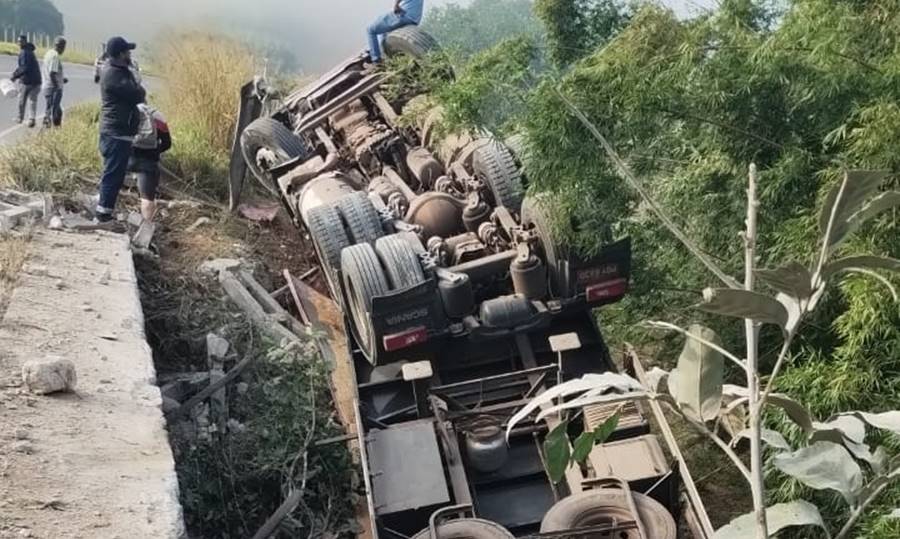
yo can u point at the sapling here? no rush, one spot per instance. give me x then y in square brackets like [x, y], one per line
[834, 454]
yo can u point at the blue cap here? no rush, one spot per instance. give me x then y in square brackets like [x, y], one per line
[117, 45]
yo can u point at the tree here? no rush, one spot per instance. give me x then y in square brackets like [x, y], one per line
[576, 27]
[688, 103]
[32, 16]
[482, 24]
[834, 454]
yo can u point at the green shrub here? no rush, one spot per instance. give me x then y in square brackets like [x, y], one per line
[231, 486]
[690, 104]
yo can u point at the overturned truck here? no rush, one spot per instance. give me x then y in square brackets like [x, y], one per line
[461, 306]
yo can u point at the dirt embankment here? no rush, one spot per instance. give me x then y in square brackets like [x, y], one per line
[235, 469]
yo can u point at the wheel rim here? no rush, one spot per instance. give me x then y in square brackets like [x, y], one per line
[252, 158]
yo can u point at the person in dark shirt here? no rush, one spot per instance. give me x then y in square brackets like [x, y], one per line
[119, 121]
[28, 75]
[144, 163]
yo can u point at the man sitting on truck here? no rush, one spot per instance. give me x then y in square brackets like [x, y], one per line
[406, 13]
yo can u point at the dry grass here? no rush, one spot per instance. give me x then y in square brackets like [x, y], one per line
[204, 75]
[13, 251]
[57, 160]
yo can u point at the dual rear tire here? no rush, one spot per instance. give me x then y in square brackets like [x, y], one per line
[332, 228]
[360, 262]
[369, 272]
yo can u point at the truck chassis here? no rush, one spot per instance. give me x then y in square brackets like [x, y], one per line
[461, 305]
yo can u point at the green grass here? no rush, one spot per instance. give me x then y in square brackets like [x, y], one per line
[57, 160]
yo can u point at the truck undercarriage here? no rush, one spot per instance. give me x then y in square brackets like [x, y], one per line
[461, 305]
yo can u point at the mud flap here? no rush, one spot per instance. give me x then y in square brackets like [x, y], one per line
[250, 109]
[407, 310]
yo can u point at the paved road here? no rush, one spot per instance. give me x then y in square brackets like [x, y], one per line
[81, 88]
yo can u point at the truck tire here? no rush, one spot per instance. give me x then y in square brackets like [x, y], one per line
[364, 279]
[496, 166]
[361, 217]
[467, 528]
[400, 262]
[516, 144]
[329, 238]
[409, 40]
[536, 212]
[596, 507]
[270, 134]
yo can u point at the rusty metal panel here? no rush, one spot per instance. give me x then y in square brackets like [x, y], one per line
[406, 468]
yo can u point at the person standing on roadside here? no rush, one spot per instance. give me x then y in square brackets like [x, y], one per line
[405, 13]
[120, 94]
[28, 75]
[152, 140]
[53, 83]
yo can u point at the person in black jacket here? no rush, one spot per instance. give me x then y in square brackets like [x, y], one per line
[28, 75]
[120, 95]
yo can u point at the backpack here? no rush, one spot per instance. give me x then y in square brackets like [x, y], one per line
[147, 137]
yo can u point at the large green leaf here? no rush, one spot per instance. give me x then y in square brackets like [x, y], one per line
[697, 382]
[879, 459]
[846, 425]
[877, 205]
[735, 395]
[778, 517]
[793, 279]
[557, 452]
[848, 431]
[860, 262]
[604, 431]
[844, 200]
[744, 304]
[590, 385]
[582, 446]
[884, 421]
[823, 465]
[772, 438]
[586, 440]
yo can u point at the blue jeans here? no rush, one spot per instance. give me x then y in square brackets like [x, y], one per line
[53, 114]
[383, 25]
[115, 154]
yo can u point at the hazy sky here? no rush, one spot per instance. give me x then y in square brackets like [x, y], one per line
[324, 31]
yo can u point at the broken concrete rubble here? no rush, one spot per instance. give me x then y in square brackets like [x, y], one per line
[17, 209]
[50, 375]
[144, 235]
